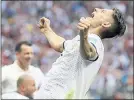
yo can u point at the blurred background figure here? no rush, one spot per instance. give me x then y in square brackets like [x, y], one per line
[115, 79]
[25, 89]
[21, 65]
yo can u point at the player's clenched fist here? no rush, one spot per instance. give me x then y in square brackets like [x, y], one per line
[44, 24]
[83, 24]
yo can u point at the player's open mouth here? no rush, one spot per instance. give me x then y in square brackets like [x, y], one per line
[28, 60]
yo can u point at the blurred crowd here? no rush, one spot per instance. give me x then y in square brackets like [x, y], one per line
[19, 22]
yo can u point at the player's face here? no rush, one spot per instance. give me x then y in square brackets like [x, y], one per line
[100, 16]
[25, 55]
[30, 88]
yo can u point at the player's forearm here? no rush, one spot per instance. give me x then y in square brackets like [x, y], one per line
[54, 40]
[86, 49]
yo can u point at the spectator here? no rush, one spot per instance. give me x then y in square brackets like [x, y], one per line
[25, 88]
[21, 65]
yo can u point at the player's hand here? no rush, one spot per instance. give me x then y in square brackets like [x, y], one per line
[84, 24]
[44, 24]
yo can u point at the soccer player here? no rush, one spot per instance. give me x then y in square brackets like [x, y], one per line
[22, 65]
[81, 57]
[25, 88]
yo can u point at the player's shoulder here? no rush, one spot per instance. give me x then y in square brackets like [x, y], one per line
[95, 38]
[69, 44]
[13, 95]
[6, 67]
[7, 95]
[76, 38]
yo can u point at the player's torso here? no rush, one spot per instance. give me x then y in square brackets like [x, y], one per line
[64, 69]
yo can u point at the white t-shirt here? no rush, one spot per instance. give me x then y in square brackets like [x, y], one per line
[11, 73]
[13, 95]
[70, 72]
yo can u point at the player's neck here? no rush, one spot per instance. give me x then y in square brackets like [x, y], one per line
[22, 66]
[20, 92]
[95, 31]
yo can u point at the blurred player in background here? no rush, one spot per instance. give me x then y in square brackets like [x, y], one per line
[25, 88]
[21, 65]
[82, 56]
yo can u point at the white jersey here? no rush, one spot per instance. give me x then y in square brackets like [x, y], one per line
[11, 73]
[88, 69]
[13, 95]
[71, 73]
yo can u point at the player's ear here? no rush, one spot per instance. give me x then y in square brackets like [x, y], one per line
[106, 24]
[22, 87]
[17, 53]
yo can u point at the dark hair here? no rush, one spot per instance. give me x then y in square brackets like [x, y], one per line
[18, 46]
[118, 27]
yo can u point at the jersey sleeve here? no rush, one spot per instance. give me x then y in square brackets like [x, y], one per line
[94, 40]
[70, 44]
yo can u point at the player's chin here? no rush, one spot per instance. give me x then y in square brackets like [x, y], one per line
[28, 61]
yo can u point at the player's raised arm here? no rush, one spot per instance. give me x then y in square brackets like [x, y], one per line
[55, 41]
[87, 50]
